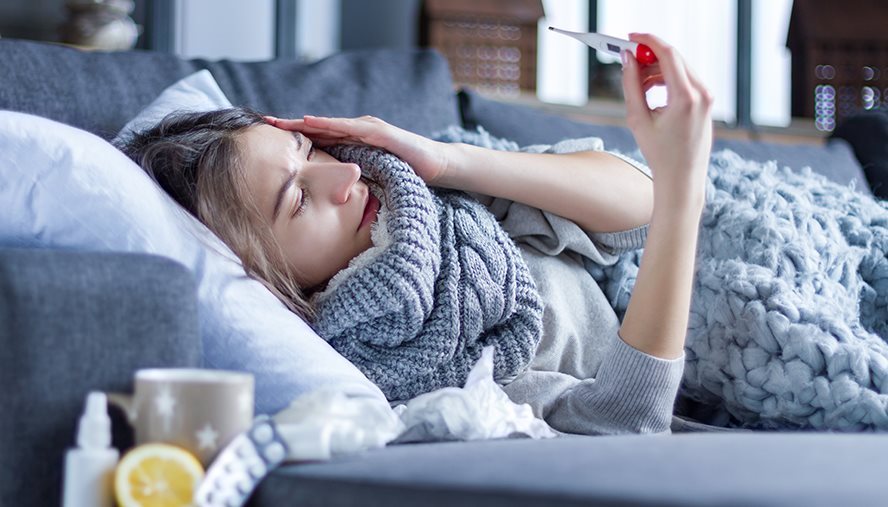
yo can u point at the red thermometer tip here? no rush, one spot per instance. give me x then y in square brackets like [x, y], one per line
[644, 55]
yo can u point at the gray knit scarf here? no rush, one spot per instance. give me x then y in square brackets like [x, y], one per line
[450, 281]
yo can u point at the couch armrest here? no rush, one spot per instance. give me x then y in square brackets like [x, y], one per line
[71, 322]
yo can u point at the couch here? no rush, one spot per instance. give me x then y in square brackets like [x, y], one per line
[75, 320]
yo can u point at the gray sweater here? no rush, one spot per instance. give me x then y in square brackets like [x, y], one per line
[584, 378]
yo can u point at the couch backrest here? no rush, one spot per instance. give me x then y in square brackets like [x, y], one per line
[101, 91]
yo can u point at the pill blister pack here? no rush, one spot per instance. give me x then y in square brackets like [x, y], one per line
[237, 470]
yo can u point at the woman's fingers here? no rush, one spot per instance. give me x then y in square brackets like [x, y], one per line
[308, 122]
[705, 94]
[637, 111]
[283, 123]
[321, 132]
[325, 131]
[652, 81]
[675, 75]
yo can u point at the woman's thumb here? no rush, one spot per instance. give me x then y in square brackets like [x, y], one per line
[633, 93]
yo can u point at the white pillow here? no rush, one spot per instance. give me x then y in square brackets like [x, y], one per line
[197, 92]
[62, 187]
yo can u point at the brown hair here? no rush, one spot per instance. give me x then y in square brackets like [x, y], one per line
[194, 157]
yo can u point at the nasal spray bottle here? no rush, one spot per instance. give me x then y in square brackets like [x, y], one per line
[89, 467]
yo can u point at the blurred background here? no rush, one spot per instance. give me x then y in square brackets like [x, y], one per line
[771, 64]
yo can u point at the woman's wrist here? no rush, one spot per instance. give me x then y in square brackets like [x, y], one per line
[683, 193]
[683, 202]
[452, 166]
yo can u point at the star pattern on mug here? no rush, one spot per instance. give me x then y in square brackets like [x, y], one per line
[206, 438]
[165, 405]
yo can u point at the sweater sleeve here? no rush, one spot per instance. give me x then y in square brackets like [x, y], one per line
[634, 392]
[623, 241]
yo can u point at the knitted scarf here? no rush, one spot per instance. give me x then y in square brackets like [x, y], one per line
[415, 313]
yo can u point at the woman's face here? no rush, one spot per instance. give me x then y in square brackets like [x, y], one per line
[319, 209]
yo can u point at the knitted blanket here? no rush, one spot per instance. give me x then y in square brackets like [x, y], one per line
[414, 314]
[789, 318]
[789, 315]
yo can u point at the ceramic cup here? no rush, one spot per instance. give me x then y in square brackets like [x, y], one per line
[196, 409]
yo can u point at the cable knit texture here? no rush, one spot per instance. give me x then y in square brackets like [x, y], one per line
[450, 282]
[789, 317]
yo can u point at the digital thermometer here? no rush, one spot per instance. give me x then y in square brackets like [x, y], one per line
[643, 54]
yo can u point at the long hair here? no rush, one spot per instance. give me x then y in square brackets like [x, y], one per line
[194, 157]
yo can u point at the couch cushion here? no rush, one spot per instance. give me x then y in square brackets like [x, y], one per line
[867, 133]
[724, 469]
[197, 92]
[525, 125]
[100, 91]
[72, 322]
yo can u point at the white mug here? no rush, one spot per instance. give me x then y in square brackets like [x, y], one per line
[200, 410]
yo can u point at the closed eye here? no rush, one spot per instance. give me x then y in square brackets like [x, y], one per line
[303, 191]
[300, 202]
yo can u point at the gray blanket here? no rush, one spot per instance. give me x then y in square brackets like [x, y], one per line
[789, 318]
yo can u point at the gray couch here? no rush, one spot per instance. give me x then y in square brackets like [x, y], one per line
[71, 322]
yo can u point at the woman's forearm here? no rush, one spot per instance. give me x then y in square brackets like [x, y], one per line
[656, 320]
[596, 190]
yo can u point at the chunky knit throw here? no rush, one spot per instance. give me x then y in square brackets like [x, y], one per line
[450, 281]
[789, 317]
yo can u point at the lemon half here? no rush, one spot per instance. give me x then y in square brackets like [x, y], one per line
[157, 475]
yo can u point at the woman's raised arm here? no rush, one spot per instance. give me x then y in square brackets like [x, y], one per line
[676, 141]
[598, 191]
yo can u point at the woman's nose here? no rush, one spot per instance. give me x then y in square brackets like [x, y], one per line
[338, 178]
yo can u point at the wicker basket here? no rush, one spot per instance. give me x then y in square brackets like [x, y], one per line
[839, 58]
[491, 45]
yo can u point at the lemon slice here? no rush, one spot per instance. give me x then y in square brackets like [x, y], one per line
[157, 475]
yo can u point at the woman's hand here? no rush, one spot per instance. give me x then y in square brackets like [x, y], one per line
[427, 157]
[675, 139]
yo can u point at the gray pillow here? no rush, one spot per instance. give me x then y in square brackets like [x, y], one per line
[867, 133]
[100, 92]
[525, 125]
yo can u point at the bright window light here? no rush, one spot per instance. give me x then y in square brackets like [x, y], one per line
[770, 62]
[704, 32]
[563, 63]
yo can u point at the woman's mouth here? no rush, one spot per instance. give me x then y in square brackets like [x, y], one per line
[370, 210]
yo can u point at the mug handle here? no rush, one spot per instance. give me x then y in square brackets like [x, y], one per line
[125, 403]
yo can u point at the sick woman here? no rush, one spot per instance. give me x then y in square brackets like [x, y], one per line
[410, 255]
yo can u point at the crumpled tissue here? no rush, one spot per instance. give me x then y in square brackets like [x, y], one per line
[329, 422]
[480, 410]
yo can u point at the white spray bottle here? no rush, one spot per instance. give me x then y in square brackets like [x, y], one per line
[89, 467]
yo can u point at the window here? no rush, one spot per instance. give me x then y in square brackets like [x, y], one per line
[770, 63]
[706, 33]
[563, 63]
